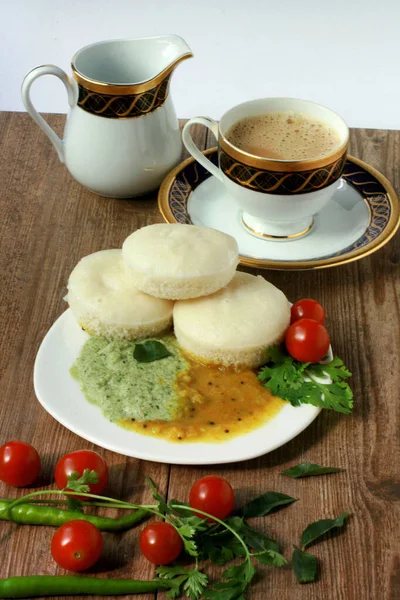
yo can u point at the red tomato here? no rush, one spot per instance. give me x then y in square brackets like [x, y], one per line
[79, 461]
[77, 545]
[213, 495]
[19, 464]
[307, 341]
[160, 543]
[308, 309]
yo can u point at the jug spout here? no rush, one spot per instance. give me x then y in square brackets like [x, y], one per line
[129, 66]
[165, 53]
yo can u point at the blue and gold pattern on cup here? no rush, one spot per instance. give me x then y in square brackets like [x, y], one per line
[276, 177]
[270, 181]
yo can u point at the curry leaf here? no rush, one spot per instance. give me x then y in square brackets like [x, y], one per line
[319, 528]
[304, 566]
[253, 538]
[263, 505]
[307, 469]
[237, 579]
[220, 547]
[149, 351]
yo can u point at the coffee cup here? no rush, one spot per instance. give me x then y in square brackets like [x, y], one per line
[278, 196]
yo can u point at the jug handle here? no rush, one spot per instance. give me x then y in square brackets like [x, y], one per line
[26, 99]
[194, 150]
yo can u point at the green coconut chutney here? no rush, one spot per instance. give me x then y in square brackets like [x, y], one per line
[124, 388]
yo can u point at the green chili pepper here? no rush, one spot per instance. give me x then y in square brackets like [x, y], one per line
[32, 514]
[68, 585]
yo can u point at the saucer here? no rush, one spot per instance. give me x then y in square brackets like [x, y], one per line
[362, 216]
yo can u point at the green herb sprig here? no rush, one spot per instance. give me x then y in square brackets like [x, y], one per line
[321, 385]
[207, 537]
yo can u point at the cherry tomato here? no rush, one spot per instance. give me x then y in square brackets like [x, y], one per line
[307, 341]
[213, 495]
[19, 464]
[77, 545]
[160, 543]
[79, 461]
[308, 309]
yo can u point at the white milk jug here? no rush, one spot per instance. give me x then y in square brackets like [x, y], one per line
[121, 136]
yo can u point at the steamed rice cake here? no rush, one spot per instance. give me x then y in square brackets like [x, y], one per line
[236, 325]
[105, 302]
[180, 261]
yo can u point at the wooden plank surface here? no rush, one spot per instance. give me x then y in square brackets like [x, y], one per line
[48, 222]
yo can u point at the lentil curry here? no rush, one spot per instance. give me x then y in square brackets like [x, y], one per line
[176, 398]
[214, 405]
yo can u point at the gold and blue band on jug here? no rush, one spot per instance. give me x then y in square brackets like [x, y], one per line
[123, 106]
[120, 101]
[280, 178]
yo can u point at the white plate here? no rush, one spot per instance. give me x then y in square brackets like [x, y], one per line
[60, 394]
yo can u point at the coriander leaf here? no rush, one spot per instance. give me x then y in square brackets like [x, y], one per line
[335, 369]
[168, 572]
[298, 382]
[256, 540]
[195, 584]
[186, 530]
[282, 373]
[74, 504]
[162, 506]
[319, 528]
[193, 581]
[307, 469]
[149, 351]
[176, 584]
[187, 533]
[80, 483]
[190, 547]
[335, 396]
[263, 505]
[271, 558]
[187, 516]
[304, 566]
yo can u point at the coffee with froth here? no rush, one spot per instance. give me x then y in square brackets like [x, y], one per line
[284, 136]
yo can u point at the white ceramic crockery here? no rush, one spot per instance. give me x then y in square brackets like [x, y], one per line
[61, 396]
[122, 136]
[278, 198]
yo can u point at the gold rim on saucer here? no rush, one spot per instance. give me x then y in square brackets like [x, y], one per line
[384, 216]
[267, 236]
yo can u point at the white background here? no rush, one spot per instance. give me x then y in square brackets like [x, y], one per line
[342, 53]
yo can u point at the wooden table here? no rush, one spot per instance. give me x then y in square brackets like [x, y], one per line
[48, 222]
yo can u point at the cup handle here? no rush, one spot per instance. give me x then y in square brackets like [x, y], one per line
[193, 149]
[26, 99]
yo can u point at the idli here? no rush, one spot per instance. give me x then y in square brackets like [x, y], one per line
[180, 261]
[105, 302]
[235, 326]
